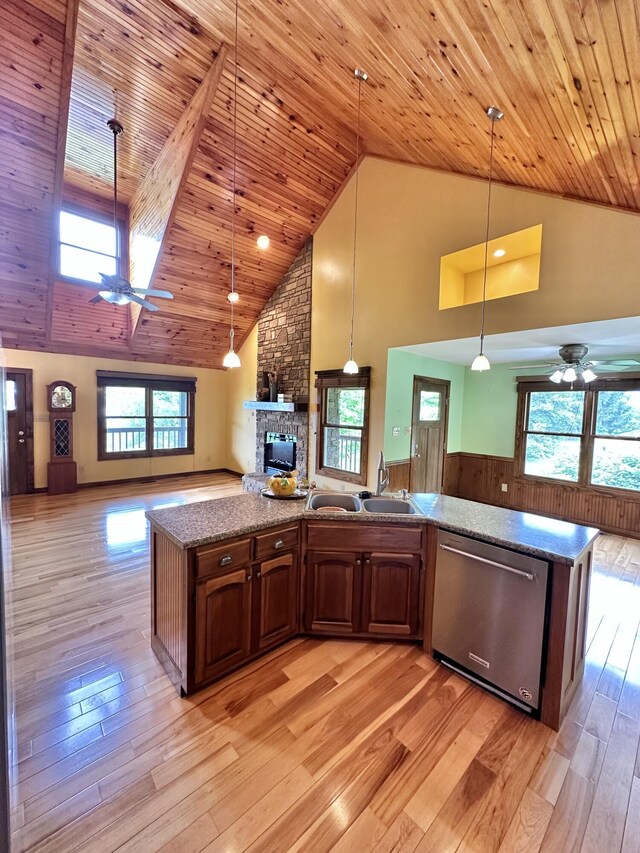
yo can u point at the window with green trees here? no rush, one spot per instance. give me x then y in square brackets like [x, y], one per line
[589, 436]
[342, 436]
[142, 415]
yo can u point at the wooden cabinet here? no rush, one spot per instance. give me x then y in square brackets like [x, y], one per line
[391, 594]
[223, 623]
[332, 600]
[364, 593]
[276, 593]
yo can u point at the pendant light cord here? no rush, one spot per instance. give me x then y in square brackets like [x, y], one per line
[486, 240]
[355, 221]
[233, 182]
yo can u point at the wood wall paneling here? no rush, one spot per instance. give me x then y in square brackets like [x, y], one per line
[480, 478]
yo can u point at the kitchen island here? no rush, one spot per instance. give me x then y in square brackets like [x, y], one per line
[234, 577]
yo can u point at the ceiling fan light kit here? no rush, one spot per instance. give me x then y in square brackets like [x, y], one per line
[481, 362]
[351, 366]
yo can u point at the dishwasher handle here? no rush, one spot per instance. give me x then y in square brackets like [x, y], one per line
[528, 575]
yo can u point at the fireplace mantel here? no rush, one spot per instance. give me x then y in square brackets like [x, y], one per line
[258, 405]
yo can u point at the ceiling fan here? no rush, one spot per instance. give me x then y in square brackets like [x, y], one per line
[117, 290]
[574, 365]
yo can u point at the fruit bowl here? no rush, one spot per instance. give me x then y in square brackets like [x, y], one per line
[283, 486]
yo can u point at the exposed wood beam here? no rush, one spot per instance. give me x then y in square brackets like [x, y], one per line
[154, 205]
[71, 27]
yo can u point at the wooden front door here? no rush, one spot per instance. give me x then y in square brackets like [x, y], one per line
[428, 433]
[19, 406]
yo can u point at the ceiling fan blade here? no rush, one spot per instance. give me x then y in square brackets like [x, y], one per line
[160, 294]
[97, 298]
[142, 302]
[628, 362]
[544, 366]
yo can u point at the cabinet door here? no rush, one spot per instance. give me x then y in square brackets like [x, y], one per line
[390, 602]
[333, 588]
[277, 591]
[223, 623]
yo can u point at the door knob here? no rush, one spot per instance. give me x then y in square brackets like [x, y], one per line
[415, 450]
[20, 432]
[21, 441]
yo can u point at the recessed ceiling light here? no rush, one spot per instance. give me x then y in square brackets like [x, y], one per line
[263, 241]
[499, 253]
[233, 296]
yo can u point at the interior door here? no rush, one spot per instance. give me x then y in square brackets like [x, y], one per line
[19, 431]
[428, 433]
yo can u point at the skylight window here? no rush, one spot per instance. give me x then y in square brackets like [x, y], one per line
[87, 247]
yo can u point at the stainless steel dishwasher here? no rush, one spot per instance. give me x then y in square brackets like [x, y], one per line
[489, 616]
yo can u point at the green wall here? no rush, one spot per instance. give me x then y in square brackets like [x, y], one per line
[489, 416]
[482, 409]
[401, 368]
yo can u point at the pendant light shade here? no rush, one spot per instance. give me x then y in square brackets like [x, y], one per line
[232, 359]
[351, 366]
[481, 362]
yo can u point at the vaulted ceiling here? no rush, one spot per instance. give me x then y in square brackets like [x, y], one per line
[566, 73]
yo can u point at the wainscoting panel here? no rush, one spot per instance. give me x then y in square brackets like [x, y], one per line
[399, 474]
[479, 478]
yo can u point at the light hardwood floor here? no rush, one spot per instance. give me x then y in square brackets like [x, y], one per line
[319, 746]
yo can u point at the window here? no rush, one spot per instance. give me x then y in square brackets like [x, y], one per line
[144, 415]
[10, 395]
[429, 405]
[87, 247]
[590, 436]
[343, 403]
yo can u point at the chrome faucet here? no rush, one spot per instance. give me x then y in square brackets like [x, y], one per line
[383, 475]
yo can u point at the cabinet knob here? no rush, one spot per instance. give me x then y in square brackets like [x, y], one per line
[279, 543]
[367, 562]
[258, 574]
[224, 561]
[358, 562]
[248, 577]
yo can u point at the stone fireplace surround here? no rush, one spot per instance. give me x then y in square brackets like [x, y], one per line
[284, 345]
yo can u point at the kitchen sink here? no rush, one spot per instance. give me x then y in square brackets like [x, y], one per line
[351, 503]
[393, 505]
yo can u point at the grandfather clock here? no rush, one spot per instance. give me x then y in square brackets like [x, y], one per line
[61, 470]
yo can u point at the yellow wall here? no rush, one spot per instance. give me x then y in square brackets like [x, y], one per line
[408, 218]
[211, 416]
[241, 424]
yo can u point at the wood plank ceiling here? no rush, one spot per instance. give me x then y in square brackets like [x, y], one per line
[566, 72]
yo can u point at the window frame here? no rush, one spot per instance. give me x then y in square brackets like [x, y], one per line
[325, 380]
[150, 383]
[122, 255]
[527, 385]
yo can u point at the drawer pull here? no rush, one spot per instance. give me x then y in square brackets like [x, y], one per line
[224, 561]
[279, 543]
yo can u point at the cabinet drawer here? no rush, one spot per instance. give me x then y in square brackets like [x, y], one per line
[229, 556]
[272, 543]
[358, 536]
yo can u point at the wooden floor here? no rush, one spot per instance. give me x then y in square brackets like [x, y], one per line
[319, 746]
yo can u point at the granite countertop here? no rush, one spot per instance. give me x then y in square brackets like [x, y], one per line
[205, 522]
[533, 534]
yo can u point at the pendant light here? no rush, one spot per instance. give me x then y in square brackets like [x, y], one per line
[481, 362]
[351, 366]
[232, 359]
